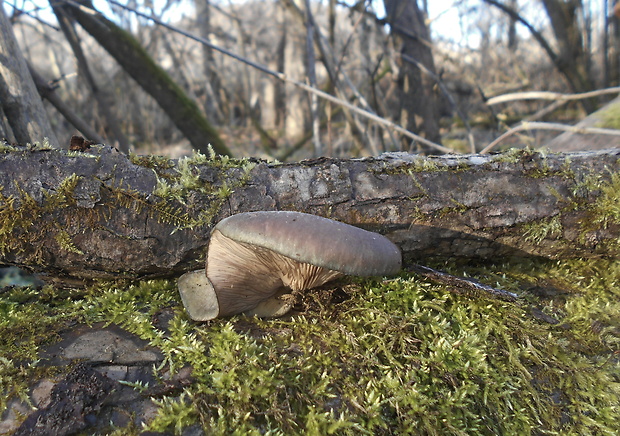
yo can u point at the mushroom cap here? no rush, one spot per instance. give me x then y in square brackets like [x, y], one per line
[315, 240]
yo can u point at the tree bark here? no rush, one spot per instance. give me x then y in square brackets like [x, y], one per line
[102, 214]
[19, 99]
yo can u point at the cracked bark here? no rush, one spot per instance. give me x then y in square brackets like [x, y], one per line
[110, 224]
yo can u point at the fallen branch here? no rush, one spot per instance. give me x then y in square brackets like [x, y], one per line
[462, 285]
[101, 214]
[525, 125]
[547, 95]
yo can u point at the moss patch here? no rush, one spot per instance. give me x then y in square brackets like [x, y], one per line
[366, 356]
[609, 117]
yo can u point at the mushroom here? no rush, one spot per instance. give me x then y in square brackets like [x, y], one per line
[255, 257]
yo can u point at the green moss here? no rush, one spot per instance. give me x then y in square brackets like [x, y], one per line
[5, 147]
[367, 356]
[596, 196]
[606, 208]
[609, 117]
[512, 155]
[21, 223]
[155, 162]
[362, 357]
[398, 356]
[551, 227]
[176, 185]
[64, 241]
[402, 357]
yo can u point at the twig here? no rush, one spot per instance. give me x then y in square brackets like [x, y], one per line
[535, 33]
[386, 123]
[31, 14]
[462, 284]
[546, 110]
[545, 95]
[550, 126]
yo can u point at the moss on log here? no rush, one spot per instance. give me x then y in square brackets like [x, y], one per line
[102, 214]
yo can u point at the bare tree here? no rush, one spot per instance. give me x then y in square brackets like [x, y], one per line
[573, 59]
[19, 98]
[152, 78]
[102, 99]
[418, 105]
[296, 119]
[212, 81]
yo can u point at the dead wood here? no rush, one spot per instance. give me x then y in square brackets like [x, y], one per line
[101, 214]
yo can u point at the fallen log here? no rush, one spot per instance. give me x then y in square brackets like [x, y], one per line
[102, 214]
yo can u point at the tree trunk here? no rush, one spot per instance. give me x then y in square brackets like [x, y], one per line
[419, 108]
[212, 81]
[19, 98]
[513, 40]
[153, 79]
[573, 60]
[296, 101]
[105, 215]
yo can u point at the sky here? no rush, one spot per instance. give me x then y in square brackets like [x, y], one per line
[441, 13]
[444, 17]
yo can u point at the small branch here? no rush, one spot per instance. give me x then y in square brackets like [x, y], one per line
[546, 110]
[550, 126]
[32, 14]
[47, 92]
[462, 285]
[544, 95]
[535, 33]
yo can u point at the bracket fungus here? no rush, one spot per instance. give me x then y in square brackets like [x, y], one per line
[255, 257]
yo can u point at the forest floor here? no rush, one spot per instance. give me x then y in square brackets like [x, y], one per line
[357, 356]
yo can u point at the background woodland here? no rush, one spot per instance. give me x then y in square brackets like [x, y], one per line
[389, 59]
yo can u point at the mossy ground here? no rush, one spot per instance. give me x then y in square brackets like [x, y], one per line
[401, 356]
